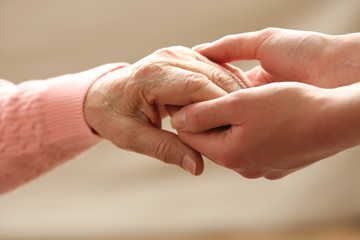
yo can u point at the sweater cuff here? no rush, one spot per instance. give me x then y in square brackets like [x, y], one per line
[64, 104]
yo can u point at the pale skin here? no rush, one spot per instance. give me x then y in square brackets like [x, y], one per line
[126, 106]
[304, 106]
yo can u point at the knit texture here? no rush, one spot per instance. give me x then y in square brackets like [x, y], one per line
[42, 124]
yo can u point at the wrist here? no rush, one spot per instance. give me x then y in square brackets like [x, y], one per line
[64, 100]
[99, 101]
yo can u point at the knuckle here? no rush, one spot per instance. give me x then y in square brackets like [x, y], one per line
[264, 35]
[270, 30]
[224, 81]
[193, 117]
[216, 76]
[251, 174]
[179, 48]
[227, 38]
[171, 52]
[175, 52]
[196, 116]
[145, 69]
[162, 149]
[195, 82]
[164, 52]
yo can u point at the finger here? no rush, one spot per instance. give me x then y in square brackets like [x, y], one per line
[216, 73]
[163, 112]
[258, 76]
[200, 117]
[171, 109]
[276, 175]
[236, 47]
[238, 73]
[163, 145]
[185, 87]
[208, 143]
[254, 72]
[237, 79]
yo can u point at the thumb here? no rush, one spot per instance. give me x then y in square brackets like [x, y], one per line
[235, 47]
[203, 116]
[165, 146]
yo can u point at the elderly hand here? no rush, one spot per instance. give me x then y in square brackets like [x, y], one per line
[274, 129]
[126, 106]
[287, 55]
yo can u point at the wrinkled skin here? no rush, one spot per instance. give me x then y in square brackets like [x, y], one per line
[126, 106]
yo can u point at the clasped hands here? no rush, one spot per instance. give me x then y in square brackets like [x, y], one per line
[277, 118]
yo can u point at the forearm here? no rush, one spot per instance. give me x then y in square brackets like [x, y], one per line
[42, 125]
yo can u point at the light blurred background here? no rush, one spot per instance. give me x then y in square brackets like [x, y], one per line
[108, 193]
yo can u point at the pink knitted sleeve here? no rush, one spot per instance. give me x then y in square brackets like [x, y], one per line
[42, 124]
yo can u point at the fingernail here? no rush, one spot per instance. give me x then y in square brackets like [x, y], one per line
[189, 164]
[179, 121]
[200, 46]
